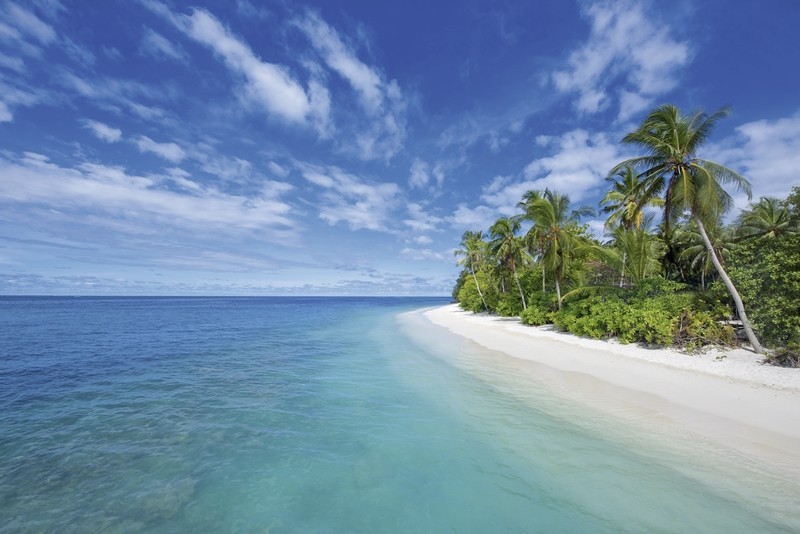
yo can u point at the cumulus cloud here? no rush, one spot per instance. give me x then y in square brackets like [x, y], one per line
[103, 131]
[766, 152]
[419, 220]
[169, 151]
[269, 85]
[577, 164]
[350, 199]
[421, 174]
[625, 47]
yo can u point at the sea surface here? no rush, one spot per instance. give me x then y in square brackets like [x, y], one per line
[319, 415]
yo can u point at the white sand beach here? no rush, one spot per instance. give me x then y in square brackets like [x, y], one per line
[729, 397]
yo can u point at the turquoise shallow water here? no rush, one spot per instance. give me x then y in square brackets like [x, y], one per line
[311, 415]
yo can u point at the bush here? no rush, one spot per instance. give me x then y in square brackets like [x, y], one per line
[540, 309]
[509, 304]
[658, 312]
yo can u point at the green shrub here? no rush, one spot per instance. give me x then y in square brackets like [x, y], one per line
[509, 305]
[697, 329]
[535, 316]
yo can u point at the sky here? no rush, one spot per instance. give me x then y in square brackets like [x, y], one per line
[241, 147]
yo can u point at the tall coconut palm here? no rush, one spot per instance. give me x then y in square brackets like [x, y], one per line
[473, 247]
[691, 185]
[559, 232]
[508, 248]
[534, 240]
[766, 219]
[627, 199]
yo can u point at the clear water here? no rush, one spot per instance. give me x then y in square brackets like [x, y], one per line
[313, 415]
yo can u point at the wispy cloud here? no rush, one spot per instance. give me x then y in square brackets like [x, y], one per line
[381, 99]
[102, 131]
[156, 45]
[110, 198]
[624, 46]
[349, 199]
[169, 151]
[271, 86]
[29, 24]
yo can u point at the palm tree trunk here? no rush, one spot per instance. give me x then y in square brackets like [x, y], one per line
[519, 286]
[544, 289]
[751, 336]
[477, 285]
[558, 293]
[622, 271]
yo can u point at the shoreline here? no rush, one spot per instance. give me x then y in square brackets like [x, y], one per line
[726, 397]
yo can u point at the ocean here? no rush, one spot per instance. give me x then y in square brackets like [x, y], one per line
[321, 414]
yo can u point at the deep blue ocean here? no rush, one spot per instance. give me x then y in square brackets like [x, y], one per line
[315, 415]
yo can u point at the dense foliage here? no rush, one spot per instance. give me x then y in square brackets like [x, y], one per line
[684, 283]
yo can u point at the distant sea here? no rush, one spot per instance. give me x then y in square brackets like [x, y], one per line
[315, 415]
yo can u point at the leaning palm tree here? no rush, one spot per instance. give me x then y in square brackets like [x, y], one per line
[627, 199]
[473, 246]
[691, 184]
[697, 253]
[559, 232]
[508, 248]
[767, 219]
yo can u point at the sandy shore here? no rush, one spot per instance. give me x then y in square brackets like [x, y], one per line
[727, 397]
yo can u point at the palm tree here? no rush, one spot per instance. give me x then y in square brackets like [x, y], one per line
[534, 240]
[507, 247]
[559, 232]
[473, 246]
[638, 251]
[626, 202]
[691, 184]
[627, 199]
[767, 219]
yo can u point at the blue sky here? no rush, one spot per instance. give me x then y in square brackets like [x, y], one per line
[255, 148]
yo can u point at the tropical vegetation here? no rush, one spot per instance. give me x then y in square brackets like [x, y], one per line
[669, 270]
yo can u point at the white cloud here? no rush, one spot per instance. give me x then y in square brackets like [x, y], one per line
[269, 85]
[347, 198]
[277, 169]
[169, 151]
[382, 100]
[422, 254]
[118, 201]
[340, 58]
[477, 218]
[5, 113]
[102, 131]
[12, 63]
[419, 220]
[578, 166]
[156, 45]
[623, 46]
[30, 24]
[766, 152]
[421, 174]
